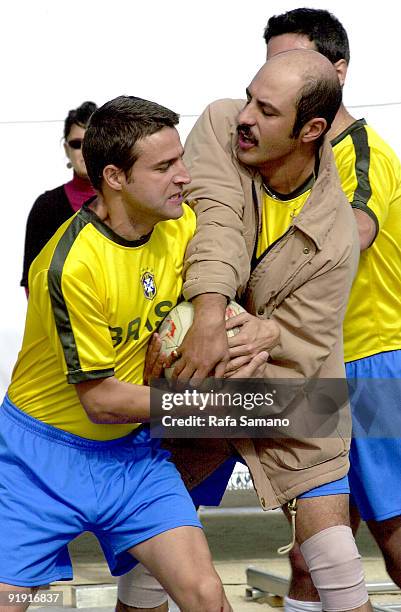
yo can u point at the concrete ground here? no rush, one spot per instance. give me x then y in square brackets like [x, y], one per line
[238, 538]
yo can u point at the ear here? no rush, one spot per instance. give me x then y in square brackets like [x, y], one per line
[113, 177]
[313, 129]
[66, 149]
[341, 68]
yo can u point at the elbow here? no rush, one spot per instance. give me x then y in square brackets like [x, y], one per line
[366, 239]
[367, 228]
[96, 412]
[93, 402]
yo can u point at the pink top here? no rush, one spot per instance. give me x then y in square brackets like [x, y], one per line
[78, 191]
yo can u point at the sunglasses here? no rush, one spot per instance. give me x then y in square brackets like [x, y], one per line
[75, 143]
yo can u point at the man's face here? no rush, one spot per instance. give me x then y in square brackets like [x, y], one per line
[288, 42]
[153, 189]
[266, 122]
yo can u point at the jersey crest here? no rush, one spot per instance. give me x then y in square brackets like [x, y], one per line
[148, 285]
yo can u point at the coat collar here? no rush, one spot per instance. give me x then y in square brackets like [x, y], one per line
[319, 211]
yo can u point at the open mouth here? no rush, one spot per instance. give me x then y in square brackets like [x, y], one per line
[245, 137]
[176, 197]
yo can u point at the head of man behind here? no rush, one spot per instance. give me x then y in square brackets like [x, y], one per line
[308, 28]
[133, 155]
[291, 103]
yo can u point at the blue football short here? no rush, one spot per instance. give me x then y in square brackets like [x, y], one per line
[336, 487]
[54, 486]
[211, 490]
[375, 454]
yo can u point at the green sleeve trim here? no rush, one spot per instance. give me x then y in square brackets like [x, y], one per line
[76, 377]
[59, 306]
[363, 191]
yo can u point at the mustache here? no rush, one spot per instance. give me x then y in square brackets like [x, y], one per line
[244, 129]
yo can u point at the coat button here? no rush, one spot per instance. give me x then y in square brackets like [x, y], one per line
[262, 501]
[306, 250]
[261, 311]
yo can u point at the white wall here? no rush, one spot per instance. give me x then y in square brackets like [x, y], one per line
[55, 54]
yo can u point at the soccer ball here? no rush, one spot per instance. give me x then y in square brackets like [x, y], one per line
[178, 321]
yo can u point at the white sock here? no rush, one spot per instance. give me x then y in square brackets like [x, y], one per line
[294, 605]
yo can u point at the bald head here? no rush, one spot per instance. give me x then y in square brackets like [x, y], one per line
[291, 103]
[310, 78]
[304, 61]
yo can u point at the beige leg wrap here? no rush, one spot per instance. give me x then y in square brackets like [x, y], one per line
[336, 569]
[139, 589]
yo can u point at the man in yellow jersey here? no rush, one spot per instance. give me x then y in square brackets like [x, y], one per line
[73, 455]
[274, 225]
[370, 174]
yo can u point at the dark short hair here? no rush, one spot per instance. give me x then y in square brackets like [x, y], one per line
[79, 116]
[320, 26]
[114, 130]
[318, 97]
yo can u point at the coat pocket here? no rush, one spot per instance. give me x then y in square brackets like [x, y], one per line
[294, 454]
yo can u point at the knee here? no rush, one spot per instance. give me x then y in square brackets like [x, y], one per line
[122, 607]
[139, 590]
[301, 585]
[298, 565]
[208, 594]
[336, 568]
[393, 567]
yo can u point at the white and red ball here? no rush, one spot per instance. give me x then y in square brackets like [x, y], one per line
[178, 321]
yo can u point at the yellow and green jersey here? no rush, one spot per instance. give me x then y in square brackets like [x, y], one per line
[278, 212]
[370, 174]
[95, 299]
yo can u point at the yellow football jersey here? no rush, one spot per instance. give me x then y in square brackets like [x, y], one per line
[370, 174]
[278, 212]
[95, 299]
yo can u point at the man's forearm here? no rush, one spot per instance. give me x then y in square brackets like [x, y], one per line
[210, 307]
[205, 346]
[110, 400]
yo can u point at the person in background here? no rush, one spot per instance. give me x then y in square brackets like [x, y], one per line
[53, 207]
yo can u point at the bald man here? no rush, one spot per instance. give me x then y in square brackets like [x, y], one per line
[268, 199]
[370, 174]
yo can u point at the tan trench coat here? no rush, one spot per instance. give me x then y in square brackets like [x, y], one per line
[303, 283]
